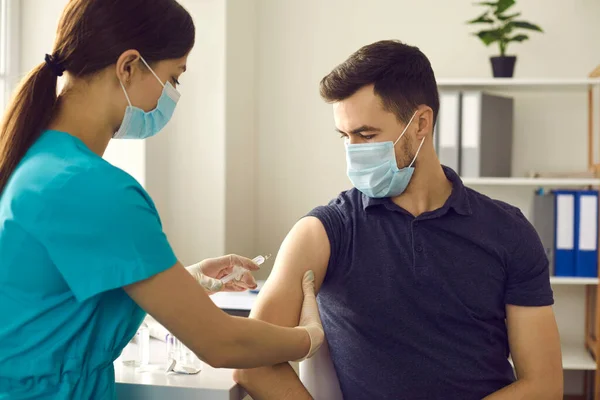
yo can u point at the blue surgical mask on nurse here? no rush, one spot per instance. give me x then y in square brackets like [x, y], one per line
[140, 124]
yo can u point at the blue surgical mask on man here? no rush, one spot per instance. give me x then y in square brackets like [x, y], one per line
[139, 124]
[372, 167]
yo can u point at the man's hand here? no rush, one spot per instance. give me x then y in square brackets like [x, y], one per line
[209, 272]
[535, 348]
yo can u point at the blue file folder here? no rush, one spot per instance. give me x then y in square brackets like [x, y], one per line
[586, 233]
[564, 232]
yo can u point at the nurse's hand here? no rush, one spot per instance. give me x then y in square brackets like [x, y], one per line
[209, 272]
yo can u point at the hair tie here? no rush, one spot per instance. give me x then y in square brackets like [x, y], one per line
[57, 68]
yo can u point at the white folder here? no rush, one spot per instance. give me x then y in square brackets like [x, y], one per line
[448, 129]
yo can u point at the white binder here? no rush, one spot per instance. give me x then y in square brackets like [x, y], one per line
[486, 135]
[448, 129]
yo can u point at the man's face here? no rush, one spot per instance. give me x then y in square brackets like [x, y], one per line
[361, 118]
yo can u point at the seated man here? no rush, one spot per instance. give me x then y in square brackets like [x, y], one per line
[425, 286]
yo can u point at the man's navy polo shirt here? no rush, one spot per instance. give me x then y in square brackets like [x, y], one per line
[414, 308]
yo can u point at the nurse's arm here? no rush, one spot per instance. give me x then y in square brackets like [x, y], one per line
[279, 302]
[535, 348]
[178, 302]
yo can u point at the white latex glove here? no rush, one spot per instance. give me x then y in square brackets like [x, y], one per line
[209, 272]
[309, 316]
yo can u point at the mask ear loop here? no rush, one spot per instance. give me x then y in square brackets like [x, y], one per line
[418, 150]
[125, 91]
[405, 128]
[153, 73]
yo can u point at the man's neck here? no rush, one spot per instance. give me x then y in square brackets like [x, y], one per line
[429, 189]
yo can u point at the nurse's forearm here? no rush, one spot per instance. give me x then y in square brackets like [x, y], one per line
[176, 301]
[249, 343]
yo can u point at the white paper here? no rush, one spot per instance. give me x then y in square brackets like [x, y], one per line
[471, 119]
[565, 221]
[243, 301]
[588, 222]
[448, 119]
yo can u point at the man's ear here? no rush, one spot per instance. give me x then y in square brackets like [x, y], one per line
[424, 121]
[127, 66]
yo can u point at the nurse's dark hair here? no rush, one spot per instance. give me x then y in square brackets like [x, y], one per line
[401, 74]
[91, 36]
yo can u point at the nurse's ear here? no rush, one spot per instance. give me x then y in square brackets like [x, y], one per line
[128, 66]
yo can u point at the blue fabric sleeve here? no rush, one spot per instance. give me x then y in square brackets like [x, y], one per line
[333, 222]
[103, 232]
[528, 280]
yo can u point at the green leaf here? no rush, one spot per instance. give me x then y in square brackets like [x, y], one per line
[525, 25]
[518, 38]
[482, 19]
[503, 5]
[488, 3]
[508, 17]
[489, 37]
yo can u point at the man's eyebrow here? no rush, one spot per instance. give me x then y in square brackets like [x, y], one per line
[183, 67]
[364, 128]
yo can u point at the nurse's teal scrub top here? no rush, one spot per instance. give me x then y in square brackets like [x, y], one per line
[73, 231]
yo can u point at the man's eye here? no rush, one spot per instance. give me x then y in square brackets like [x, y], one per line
[175, 81]
[343, 135]
[367, 137]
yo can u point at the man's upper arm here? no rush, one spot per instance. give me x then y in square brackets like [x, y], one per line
[535, 347]
[305, 247]
[280, 301]
[532, 331]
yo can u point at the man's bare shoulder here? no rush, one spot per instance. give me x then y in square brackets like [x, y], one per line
[306, 247]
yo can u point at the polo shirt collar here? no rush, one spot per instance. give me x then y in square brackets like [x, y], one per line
[458, 200]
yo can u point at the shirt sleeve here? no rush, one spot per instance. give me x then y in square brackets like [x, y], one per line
[333, 221]
[528, 281]
[103, 232]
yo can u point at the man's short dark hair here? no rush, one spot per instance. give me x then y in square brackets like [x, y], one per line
[402, 76]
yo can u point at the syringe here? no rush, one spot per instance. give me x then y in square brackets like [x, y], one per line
[239, 271]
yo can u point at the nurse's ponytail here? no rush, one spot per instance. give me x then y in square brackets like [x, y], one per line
[28, 113]
[91, 36]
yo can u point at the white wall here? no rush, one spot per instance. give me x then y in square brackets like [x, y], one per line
[39, 19]
[240, 127]
[201, 170]
[186, 162]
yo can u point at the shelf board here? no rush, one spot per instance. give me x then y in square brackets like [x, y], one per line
[575, 357]
[564, 280]
[557, 182]
[531, 84]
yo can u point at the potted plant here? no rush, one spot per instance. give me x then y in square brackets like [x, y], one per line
[503, 29]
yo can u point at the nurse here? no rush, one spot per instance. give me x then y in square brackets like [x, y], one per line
[83, 255]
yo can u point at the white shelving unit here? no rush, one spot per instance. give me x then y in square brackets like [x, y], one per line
[573, 295]
[533, 182]
[528, 84]
[564, 280]
[575, 358]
